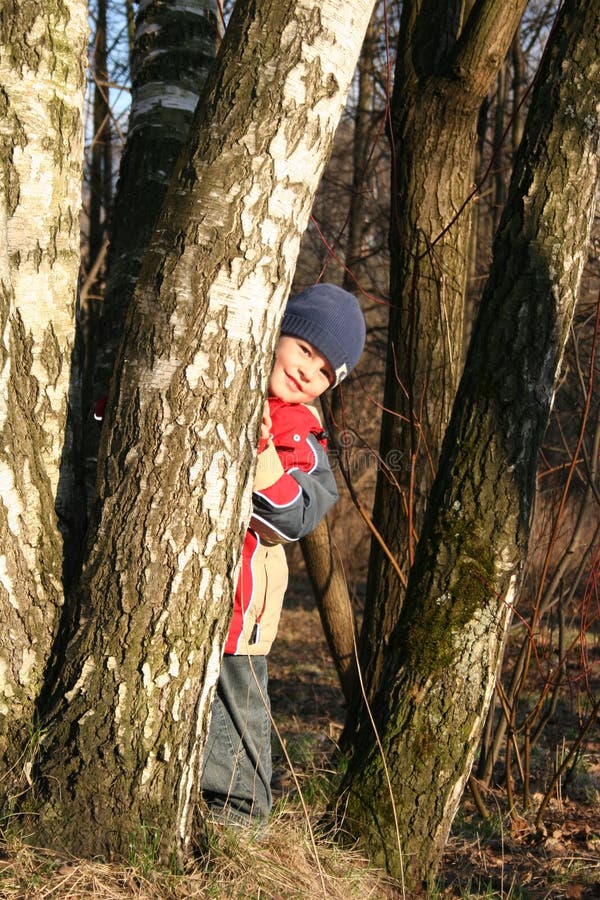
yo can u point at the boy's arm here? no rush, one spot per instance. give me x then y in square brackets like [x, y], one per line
[289, 505]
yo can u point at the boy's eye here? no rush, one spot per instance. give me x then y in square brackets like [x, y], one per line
[305, 349]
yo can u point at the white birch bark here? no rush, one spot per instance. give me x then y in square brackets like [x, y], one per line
[126, 732]
[42, 59]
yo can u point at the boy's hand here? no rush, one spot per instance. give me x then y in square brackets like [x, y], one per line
[265, 428]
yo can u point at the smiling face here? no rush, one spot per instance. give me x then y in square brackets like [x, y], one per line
[300, 373]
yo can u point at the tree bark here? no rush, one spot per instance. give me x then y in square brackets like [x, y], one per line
[441, 667]
[42, 64]
[127, 718]
[330, 588]
[446, 61]
[175, 45]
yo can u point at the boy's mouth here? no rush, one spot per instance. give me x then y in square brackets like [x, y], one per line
[292, 381]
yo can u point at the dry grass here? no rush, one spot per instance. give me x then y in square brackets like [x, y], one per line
[283, 865]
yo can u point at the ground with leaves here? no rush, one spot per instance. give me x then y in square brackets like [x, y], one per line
[499, 856]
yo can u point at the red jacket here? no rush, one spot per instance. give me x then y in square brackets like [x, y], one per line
[293, 489]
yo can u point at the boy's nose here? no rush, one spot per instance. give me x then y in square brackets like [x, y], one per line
[305, 372]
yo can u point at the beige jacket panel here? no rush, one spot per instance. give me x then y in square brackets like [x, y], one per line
[270, 579]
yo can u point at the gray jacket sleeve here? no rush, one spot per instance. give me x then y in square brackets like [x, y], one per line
[295, 504]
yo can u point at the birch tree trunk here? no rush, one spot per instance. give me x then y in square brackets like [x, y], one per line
[126, 722]
[439, 674]
[445, 64]
[42, 60]
[175, 45]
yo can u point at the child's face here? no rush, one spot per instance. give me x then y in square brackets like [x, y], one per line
[300, 373]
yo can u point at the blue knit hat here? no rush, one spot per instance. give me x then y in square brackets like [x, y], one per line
[331, 320]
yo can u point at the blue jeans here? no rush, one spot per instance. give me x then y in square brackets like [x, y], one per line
[236, 778]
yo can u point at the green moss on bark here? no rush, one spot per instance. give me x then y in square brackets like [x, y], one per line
[20, 21]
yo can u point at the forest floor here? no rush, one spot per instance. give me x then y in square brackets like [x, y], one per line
[501, 856]
[497, 857]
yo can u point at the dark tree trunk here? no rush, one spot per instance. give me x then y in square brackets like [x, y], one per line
[328, 580]
[447, 58]
[441, 664]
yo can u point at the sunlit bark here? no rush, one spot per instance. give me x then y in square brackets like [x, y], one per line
[42, 47]
[126, 724]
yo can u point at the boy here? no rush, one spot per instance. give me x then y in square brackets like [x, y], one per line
[322, 337]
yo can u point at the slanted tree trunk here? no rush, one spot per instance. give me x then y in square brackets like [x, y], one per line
[330, 588]
[447, 58]
[127, 717]
[42, 64]
[175, 45]
[440, 668]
